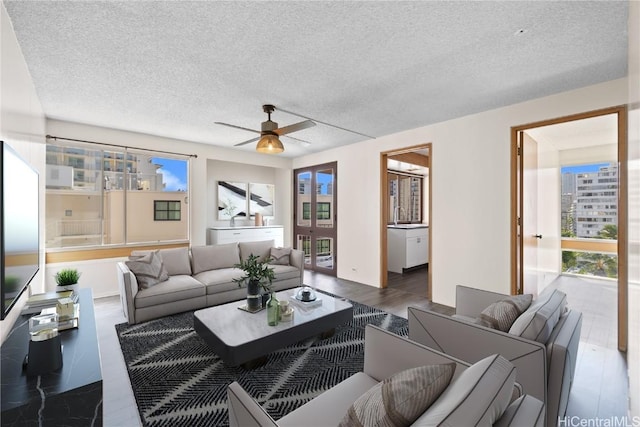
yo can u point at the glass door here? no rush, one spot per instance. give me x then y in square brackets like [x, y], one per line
[315, 216]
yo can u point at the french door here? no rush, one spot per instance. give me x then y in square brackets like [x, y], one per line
[315, 216]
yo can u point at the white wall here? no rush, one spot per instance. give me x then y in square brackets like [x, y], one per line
[470, 176]
[21, 126]
[581, 156]
[633, 356]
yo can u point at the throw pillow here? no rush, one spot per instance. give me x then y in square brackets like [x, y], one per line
[400, 399]
[501, 314]
[538, 321]
[477, 397]
[260, 248]
[213, 257]
[280, 256]
[148, 269]
[176, 261]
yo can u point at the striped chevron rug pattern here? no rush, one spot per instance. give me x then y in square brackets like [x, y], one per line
[177, 380]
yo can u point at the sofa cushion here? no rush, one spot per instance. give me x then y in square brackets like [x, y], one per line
[329, 407]
[280, 256]
[176, 261]
[537, 322]
[477, 397]
[261, 249]
[400, 399]
[526, 410]
[220, 280]
[174, 289]
[148, 269]
[501, 314]
[205, 258]
[284, 272]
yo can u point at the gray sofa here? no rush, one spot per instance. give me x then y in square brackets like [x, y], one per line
[478, 395]
[542, 343]
[199, 277]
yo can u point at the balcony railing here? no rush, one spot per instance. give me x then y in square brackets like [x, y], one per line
[62, 233]
[590, 257]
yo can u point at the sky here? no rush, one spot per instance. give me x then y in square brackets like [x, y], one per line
[594, 167]
[321, 178]
[174, 173]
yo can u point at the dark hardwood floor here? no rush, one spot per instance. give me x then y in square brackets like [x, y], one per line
[393, 299]
[412, 281]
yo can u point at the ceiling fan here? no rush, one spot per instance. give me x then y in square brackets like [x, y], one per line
[269, 141]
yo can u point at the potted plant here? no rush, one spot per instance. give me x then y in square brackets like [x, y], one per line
[257, 275]
[67, 279]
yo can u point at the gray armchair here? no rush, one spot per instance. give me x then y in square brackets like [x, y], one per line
[476, 395]
[545, 367]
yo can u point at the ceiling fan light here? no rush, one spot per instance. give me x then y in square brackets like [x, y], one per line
[269, 144]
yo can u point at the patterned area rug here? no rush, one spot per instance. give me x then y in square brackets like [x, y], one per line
[177, 380]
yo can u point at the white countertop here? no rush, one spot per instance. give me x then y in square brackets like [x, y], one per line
[408, 226]
[245, 226]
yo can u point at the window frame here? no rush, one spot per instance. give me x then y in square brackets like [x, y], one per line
[65, 153]
[320, 210]
[168, 210]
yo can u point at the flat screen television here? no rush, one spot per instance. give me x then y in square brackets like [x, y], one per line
[20, 234]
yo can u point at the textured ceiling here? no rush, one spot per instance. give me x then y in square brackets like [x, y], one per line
[174, 68]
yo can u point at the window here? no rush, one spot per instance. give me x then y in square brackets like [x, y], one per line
[323, 246]
[323, 210]
[166, 210]
[113, 196]
[306, 210]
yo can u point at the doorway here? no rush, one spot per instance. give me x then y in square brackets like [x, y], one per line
[549, 223]
[405, 218]
[315, 219]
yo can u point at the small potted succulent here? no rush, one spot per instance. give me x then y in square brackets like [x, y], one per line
[67, 279]
[256, 275]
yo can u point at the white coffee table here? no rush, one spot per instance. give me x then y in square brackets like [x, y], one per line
[238, 336]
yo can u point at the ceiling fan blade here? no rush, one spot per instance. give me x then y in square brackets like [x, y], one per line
[246, 142]
[297, 139]
[325, 123]
[295, 127]
[237, 127]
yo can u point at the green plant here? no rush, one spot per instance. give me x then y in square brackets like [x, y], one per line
[230, 208]
[67, 277]
[609, 231]
[255, 271]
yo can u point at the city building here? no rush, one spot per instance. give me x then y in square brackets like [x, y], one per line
[596, 201]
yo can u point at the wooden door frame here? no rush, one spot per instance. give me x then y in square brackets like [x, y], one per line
[516, 207]
[384, 210]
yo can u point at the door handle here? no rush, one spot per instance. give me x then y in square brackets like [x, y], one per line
[538, 236]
